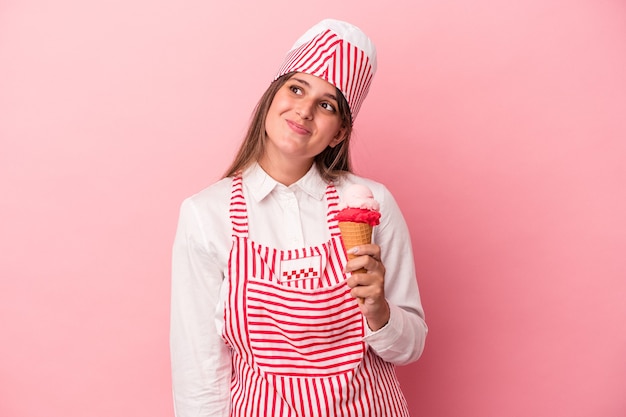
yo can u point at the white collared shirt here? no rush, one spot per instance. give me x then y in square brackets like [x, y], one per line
[281, 217]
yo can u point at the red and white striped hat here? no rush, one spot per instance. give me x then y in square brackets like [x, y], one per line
[339, 53]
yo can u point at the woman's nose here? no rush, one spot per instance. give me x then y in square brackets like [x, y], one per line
[305, 109]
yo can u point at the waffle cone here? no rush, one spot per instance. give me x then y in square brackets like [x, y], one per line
[355, 234]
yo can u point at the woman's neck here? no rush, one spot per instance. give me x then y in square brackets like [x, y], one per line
[285, 173]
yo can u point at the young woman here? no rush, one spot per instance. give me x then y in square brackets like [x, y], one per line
[250, 336]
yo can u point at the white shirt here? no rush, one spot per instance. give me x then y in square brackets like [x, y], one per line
[285, 218]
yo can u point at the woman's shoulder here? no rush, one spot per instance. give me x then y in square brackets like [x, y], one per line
[378, 189]
[215, 197]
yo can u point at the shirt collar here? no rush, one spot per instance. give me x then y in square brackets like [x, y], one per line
[261, 184]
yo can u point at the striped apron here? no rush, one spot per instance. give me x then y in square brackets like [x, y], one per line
[296, 333]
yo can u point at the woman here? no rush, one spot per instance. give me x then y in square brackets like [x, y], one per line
[247, 337]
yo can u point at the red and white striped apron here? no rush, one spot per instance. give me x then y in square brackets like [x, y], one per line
[296, 333]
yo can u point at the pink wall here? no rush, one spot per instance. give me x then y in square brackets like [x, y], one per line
[500, 128]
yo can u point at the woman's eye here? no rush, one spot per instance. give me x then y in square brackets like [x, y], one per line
[328, 106]
[295, 89]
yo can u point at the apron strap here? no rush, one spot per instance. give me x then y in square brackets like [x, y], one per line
[238, 211]
[332, 199]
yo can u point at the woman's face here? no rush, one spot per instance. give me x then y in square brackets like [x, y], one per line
[302, 120]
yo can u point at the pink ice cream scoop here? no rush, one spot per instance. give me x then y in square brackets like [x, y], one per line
[358, 206]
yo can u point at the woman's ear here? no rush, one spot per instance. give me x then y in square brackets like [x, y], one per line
[339, 137]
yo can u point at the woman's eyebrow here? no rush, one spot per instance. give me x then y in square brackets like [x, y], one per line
[306, 84]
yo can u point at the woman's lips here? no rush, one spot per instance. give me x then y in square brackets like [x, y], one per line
[298, 128]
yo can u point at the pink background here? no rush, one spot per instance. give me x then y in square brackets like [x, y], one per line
[499, 126]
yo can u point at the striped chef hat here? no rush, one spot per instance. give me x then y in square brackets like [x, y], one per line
[339, 53]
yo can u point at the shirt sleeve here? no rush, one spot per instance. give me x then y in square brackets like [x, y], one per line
[201, 367]
[402, 339]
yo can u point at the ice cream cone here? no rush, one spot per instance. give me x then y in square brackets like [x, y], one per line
[355, 234]
[357, 214]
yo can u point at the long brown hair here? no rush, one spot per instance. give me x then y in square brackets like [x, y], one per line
[331, 162]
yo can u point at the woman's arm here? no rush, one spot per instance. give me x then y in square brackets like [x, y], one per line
[201, 367]
[392, 305]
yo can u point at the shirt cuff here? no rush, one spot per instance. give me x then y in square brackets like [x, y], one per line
[386, 336]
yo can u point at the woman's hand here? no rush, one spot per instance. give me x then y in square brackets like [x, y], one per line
[370, 285]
